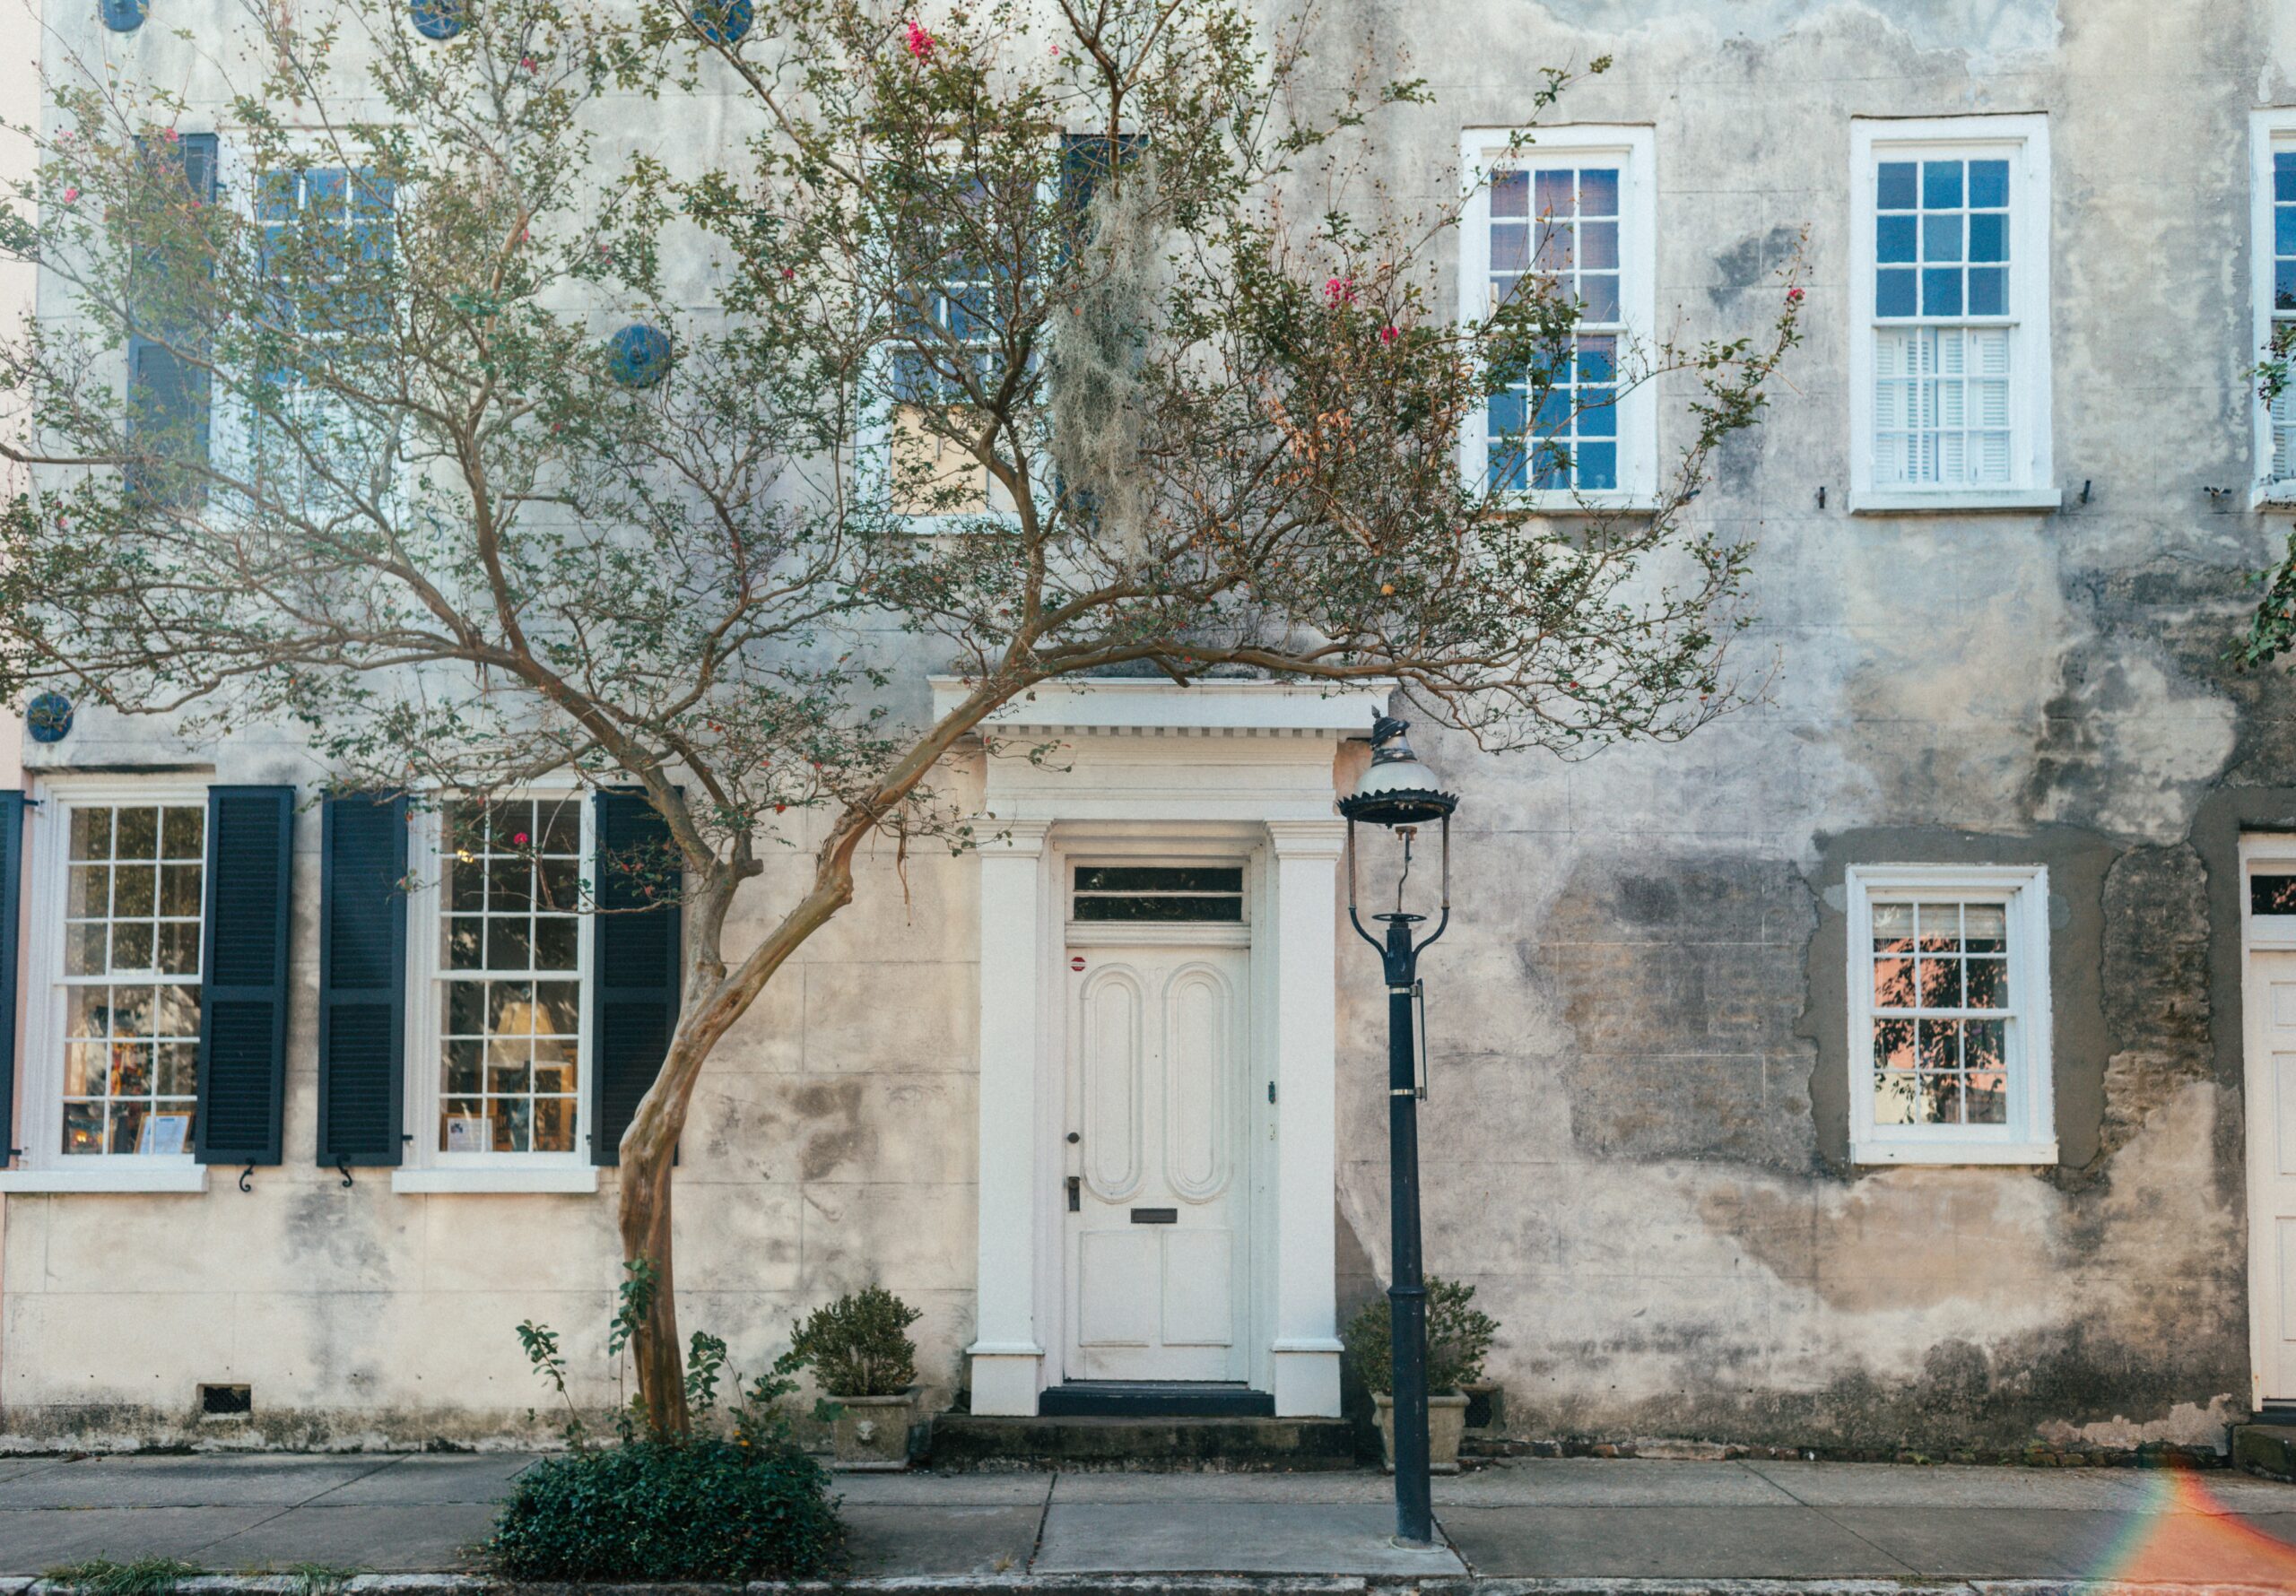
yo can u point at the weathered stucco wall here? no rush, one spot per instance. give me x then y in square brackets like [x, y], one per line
[1637, 1131]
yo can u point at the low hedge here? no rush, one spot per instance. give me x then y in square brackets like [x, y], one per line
[700, 1509]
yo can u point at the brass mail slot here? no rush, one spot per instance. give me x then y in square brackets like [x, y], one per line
[1155, 1215]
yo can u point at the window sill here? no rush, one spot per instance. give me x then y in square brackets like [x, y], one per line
[163, 1177]
[2273, 496]
[1953, 1152]
[1554, 504]
[476, 1182]
[1953, 502]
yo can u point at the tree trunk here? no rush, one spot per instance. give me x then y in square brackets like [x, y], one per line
[646, 1234]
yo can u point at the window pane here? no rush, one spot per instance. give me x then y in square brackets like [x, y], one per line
[1894, 237]
[1940, 183]
[2272, 895]
[1988, 237]
[1988, 184]
[1893, 293]
[1098, 878]
[1893, 186]
[1511, 194]
[1941, 237]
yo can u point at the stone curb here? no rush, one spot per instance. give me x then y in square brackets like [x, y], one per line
[1177, 1585]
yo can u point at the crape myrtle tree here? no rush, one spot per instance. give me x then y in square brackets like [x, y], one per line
[1022, 343]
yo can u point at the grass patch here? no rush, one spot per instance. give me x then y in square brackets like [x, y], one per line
[319, 1579]
[144, 1577]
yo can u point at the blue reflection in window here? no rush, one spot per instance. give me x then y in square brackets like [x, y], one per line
[1988, 185]
[1893, 186]
[1894, 238]
[1988, 291]
[1941, 237]
[1598, 466]
[1941, 184]
[1893, 293]
[1941, 291]
[1988, 237]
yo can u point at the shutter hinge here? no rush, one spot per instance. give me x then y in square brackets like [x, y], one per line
[243, 1176]
[344, 1164]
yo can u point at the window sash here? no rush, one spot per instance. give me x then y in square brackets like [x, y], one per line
[54, 990]
[1575, 207]
[2025, 1133]
[432, 1004]
[1949, 394]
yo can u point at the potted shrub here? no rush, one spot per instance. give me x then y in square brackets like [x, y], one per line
[1458, 1339]
[861, 1353]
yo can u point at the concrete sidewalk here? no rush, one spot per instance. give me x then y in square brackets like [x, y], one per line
[1825, 1526]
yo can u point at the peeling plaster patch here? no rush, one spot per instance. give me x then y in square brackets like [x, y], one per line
[1979, 29]
[1902, 1241]
[2186, 1425]
[2129, 748]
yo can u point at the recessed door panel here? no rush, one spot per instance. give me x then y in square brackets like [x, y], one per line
[1199, 1082]
[1157, 1261]
[1198, 1307]
[1113, 1079]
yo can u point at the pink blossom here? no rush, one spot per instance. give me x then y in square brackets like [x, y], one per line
[1339, 290]
[170, 135]
[529, 63]
[920, 42]
[788, 273]
[1794, 295]
[519, 839]
[71, 194]
[1054, 50]
[1388, 334]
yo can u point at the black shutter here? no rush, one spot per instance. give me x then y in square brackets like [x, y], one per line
[362, 978]
[243, 976]
[167, 396]
[12, 878]
[636, 955]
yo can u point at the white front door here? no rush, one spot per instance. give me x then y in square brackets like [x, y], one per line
[2270, 1004]
[1157, 1242]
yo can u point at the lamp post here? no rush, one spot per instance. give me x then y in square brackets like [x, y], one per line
[1399, 792]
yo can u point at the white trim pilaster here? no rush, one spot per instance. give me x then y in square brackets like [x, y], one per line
[1307, 1343]
[1008, 1352]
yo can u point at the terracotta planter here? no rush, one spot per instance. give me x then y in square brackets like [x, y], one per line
[872, 1432]
[1447, 1423]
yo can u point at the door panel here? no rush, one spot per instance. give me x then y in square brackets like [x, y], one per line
[1156, 1237]
[2271, 1076]
[1113, 1074]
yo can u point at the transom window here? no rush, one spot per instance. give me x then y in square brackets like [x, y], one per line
[1949, 1022]
[1198, 893]
[511, 962]
[1952, 334]
[134, 880]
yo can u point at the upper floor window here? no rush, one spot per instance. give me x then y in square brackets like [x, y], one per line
[1950, 342]
[1567, 214]
[1949, 1031]
[2273, 225]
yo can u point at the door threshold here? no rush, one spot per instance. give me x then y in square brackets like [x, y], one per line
[1154, 1399]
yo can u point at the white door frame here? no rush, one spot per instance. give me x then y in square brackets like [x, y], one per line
[2274, 853]
[1243, 767]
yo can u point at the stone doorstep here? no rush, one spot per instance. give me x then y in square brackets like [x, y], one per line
[1181, 1584]
[2265, 1449]
[971, 1441]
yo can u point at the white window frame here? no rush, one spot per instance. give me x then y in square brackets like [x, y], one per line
[429, 1170]
[2029, 1135]
[2023, 139]
[238, 185]
[2270, 131]
[40, 1124]
[1483, 151]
